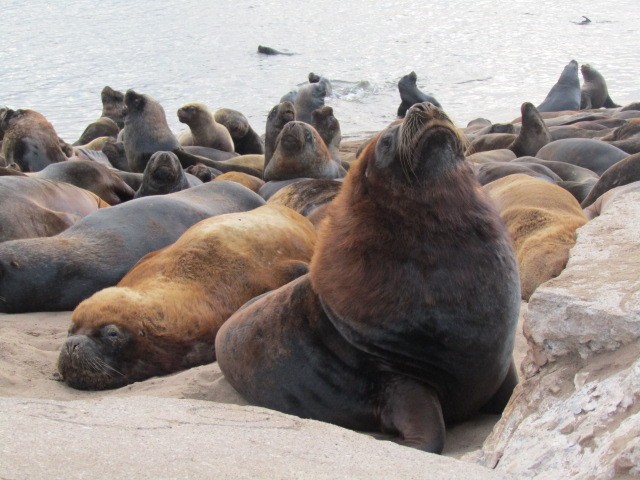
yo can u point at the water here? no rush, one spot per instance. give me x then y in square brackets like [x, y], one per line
[481, 58]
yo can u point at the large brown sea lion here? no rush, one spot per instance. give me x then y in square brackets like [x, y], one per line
[565, 94]
[31, 207]
[245, 139]
[301, 152]
[594, 92]
[542, 219]
[408, 316]
[30, 141]
[163, 316]
[57, 273]
[203, 131]
[164, 174]
[278, 117]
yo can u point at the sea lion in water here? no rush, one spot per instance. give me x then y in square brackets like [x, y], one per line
[245, 139]
[163, 316]
[565, 94]
[407, 318]
[323, 120]
[594, 92]
[410, 94]
[542, 219]
[301, 152]
[163, 174]
[595, 155]
[113, 105]
[278, 117]
[271, 51]
[30, 141]
[311, 97]
[32, 207]
[203, 131]
[57, 273]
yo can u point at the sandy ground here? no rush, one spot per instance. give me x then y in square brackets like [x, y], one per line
[29, 346]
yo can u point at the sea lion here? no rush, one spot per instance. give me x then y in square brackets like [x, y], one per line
[205, 174]
[594, 93]
[311, 97]
[245, 139]
[270, 188]
[407, 318]
[277, 118]
[32, 207]
[496, 128]
[102, 127]
[306, 196]
[113, 105]
[96, 144]
[91, 176]
[621, 173]
[116, 155]
[249, 181]
[164, 314]
[596, 208]
[203, 131]
[499, 155]
[476, 124]
[57, 273]
[30, 141]
[625, 137]
[533, 135]
[572, 131]
[410, 94]
[272, 51]
[163, 174]
[542, 219]
[595, 155]
[489, 142]
[323, 120]
[301, 152]
[565, 94]
[490, 171]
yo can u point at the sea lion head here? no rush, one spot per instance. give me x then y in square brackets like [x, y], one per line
[117, 337]
[409, 80]
[163, 174]
[588, 72]
[134, 102]
[194, 113]
[281, 114]
[113, 105]
[327, 125]
[235, 121]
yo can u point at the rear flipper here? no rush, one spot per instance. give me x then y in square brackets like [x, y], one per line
[608, 103]
[413, 410]
[496, 404]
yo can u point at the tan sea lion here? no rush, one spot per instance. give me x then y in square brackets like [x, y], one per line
[203, 131]
[249, 181]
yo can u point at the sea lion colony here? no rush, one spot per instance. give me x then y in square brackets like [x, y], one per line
[384, 300]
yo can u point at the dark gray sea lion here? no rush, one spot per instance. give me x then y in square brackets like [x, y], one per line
[278, 117]
[571, 131]
[624, 172]
[595, 155]
[33, 207]
[410, 94]
[30, 141]
[533, 135]
[631, 106]
[245, 139]
[57, 273]
[103, 127]
[116, 155]
[203, 131]
[210, 153]
[626, 137]
[113, 105]
[301, 152]
[595, 209]
[271, 51]
[91, 176]
[327, 125]
[488, 172]
[163, 174]
[594, 92]
[371, 356]
[565, 94]
[311, 97]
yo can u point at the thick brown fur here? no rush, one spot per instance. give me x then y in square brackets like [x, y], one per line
[542, 219]
[203, 131]
[170, 306]
[249, 181]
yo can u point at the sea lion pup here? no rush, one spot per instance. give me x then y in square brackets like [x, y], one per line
[249, 181]
[311, 97]
[328, 127]
[542, 219]
[32, 207]
[625, 171]
[533, 135]
[163, 316]
[565, 94]
[203, 131]
[102, 127]
[277, 118]
[205, 174]
[306, 196]
[57, 273]
[91, 176]
[407, 318]
[245, 139]
[410, 94]
[301, 152]
[30, 141]
[589, 153]
[113, 105]
[163, 174]
[594, 93]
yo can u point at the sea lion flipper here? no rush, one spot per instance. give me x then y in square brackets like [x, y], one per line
[608, 103]
[413, 410]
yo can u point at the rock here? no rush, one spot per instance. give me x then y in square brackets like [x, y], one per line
[577, 413]
[146, 437]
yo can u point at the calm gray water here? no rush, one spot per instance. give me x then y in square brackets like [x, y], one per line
[480, 58]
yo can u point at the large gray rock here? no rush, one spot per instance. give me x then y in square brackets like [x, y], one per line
[147, 437]
[577, 414]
